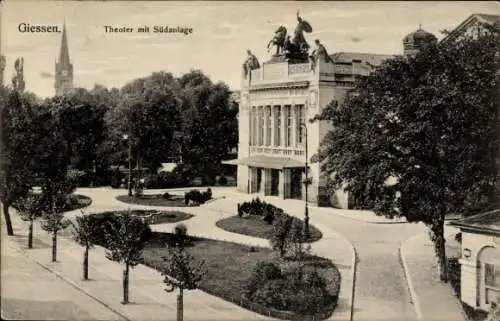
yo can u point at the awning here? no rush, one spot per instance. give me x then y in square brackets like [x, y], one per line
[266, 162]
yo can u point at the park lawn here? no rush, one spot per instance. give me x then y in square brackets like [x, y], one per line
[229, 265]
[154, 200]
[255, 226]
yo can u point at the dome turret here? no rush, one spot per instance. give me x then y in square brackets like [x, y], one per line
[417, 40]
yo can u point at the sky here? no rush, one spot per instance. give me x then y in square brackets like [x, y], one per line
[222, 32]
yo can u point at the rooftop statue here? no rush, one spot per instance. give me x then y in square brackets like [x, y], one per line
[250, 63]
[278, 41]
[298, 35]
[318, 53]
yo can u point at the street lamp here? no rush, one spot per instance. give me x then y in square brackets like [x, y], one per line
[126, 138]
[306, 183]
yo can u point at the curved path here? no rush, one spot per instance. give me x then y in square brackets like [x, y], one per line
[381, 291]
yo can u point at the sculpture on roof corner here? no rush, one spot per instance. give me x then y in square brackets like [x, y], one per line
[295, 47]
[318, 53]
[251, 63]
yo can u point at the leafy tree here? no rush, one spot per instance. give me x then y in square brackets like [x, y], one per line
[53, 221]
[17, 142]
[84, 233]
[30, 209]
[209, 128]
[148, 113]
[419, 137]
[181, 273]
[126, 239]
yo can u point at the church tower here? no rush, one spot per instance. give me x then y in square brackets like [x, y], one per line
[417, 40]
[64, 68]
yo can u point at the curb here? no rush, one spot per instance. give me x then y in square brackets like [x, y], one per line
[354, 266]
[73, 284]
[413, 295]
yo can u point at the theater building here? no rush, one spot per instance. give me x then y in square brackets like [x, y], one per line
[276, 102]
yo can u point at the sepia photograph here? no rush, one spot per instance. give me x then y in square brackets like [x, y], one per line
[250, 160]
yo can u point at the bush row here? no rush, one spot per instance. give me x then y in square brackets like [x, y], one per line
[257, 207]
[197, 197]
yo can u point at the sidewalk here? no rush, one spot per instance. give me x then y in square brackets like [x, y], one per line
[148, 299]
[433, 300]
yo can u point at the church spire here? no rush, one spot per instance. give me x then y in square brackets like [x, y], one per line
[64, 53]
[64, 68]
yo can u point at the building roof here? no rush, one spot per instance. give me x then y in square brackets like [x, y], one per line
[489, 19]
[369, 58]
[484, 222]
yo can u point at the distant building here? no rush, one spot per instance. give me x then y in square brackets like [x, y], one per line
[63, 67]
[480, 259]
[474, 25]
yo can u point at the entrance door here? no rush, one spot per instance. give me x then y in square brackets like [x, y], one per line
[296, 184]
[275, 181]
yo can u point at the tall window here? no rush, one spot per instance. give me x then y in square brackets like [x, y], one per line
[300, 116]
[255, 130]
[491, 282]
[277, 125]
[261, 126]
[288, 125]
[268, 125]
[250, 127]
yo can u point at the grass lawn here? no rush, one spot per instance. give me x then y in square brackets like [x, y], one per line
[255, 226]
[228, 265]
[154, 200]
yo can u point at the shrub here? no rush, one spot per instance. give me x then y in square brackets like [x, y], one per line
[222, 180]
[166, 195]
[262, 272]
[240, 211]
[180, 234]
[116, 179]
[209, 193]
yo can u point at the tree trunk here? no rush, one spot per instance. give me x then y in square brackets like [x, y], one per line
[86, 263]
[125, 285]
[8, 222]
[440, 249]
[30, 235]
[180, 305]
[54, 246]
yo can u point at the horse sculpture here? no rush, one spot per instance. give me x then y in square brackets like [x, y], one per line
[278, 40]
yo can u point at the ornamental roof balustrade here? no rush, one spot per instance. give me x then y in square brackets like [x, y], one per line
[280, 73]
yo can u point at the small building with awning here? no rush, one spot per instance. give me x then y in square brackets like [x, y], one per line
[480, 259]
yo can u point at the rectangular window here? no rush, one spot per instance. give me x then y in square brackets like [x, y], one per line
[300, 119]
[277, 125]
[288, 126]
[261, 126]
[250, 127]
[492, 275]
[268, 125]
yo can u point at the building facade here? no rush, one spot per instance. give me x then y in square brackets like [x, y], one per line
[63, 67]
[480, 259]
[275, 136]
